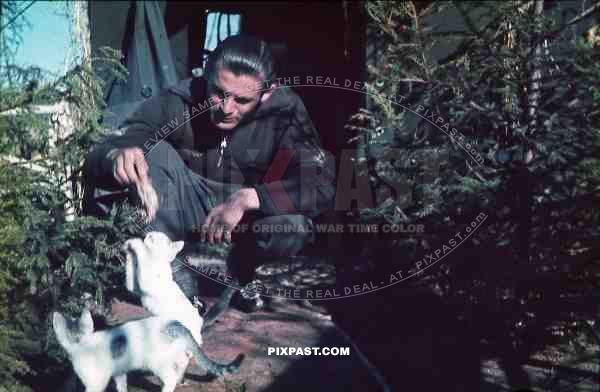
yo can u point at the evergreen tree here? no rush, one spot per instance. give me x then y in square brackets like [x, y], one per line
[497, 116]
[51, 257]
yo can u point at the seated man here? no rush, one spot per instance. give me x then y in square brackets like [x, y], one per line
[231, 147]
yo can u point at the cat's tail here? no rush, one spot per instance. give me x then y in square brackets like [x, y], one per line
[218, 308]
[176, 330]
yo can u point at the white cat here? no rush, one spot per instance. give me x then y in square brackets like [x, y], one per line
[154, 344]
[148, 274]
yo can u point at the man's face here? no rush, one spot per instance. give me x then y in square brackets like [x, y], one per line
[238, 98]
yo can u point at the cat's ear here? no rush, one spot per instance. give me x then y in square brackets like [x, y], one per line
[148, 239]
[134, 247]
[61, 330]
[59, 323]
[86, 323]
[177, 246]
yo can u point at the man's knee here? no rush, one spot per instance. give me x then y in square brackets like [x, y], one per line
[162, 155]
[283, 235]
[168, 174]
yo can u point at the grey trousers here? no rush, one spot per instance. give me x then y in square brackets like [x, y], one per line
[185, 200]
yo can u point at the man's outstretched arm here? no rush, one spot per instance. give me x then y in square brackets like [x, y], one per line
[119, 159]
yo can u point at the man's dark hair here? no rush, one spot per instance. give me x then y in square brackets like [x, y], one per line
[242, 55]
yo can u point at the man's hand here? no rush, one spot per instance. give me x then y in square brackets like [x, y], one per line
[225, 217]
[129, 165]
[130, 168]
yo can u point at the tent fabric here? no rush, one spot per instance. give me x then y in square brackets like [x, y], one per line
[148, 59]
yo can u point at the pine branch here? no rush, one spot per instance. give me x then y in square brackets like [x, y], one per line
[582, 15]
[17, 16]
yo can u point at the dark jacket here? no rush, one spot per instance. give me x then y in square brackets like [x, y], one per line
[278, 152]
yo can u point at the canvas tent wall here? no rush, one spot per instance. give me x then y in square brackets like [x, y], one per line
[138, 30]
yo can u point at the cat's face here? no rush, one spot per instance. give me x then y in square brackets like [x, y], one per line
[71, 331]
[156, 238]
[161, 246]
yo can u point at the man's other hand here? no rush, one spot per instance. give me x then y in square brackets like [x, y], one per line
[130, 168]
[223, 219]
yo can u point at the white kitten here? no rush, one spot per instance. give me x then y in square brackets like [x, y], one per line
[148, 274]
[155, 344]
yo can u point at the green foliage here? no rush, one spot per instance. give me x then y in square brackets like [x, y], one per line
[51, 257]
[492, 108]
[477, 77]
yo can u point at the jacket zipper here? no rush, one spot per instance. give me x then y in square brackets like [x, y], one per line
[222, 147]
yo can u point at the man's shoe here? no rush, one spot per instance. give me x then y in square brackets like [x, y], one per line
[249, 300]
[199, 305]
